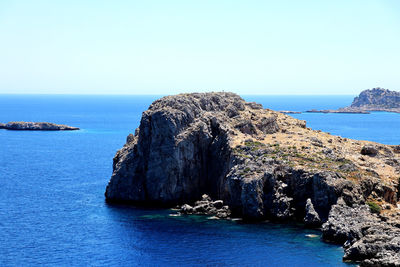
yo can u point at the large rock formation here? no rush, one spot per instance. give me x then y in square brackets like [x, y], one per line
[36, 126]
[375, 99]
[262, 164]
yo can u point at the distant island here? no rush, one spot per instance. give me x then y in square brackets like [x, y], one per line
[289, 112]
[375, 99]
[36, 126]
[218, 155]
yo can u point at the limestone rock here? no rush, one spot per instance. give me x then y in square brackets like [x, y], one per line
[345, 223]
[312, 218]
[186, 209]
[379, 246]
[206, 206]
[257, 164]
[377, 98]
[268, 125]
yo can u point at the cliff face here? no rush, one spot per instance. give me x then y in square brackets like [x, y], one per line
[261, 163]
[377, 98]
[180, 151]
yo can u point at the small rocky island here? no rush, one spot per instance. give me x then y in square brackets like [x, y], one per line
[376, 99]
[215, 154]
[36, 126]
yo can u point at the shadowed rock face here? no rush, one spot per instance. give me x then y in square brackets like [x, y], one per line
[183, 149]
[180, 151]
[36, 126]
[261, 163]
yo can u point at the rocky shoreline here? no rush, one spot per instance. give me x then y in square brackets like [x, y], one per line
[215, 154]
[36, 126]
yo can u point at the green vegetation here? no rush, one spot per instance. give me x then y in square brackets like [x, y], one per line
[240, 152]
[254, 145]
[294, 156]
[374, 207]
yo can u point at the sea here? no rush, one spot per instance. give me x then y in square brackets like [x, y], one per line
[52, 208]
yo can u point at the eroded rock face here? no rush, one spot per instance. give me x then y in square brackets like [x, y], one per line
[365, 237]
[181, 151]
[260, 163]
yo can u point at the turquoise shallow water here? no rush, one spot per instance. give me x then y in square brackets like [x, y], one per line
[52, 209]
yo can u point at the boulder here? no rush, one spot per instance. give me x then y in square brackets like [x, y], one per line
[369, 150]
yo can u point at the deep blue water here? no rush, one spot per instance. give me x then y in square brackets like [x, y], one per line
[52, 209]
[382, 127]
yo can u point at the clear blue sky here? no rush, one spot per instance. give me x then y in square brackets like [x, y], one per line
[166, 47]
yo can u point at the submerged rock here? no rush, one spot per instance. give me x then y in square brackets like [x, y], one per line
[258, 164]
[36, 126]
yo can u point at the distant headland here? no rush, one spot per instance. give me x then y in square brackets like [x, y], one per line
[36, 126]
[375, 99]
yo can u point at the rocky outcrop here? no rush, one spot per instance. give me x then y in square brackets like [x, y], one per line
[259, 163]
[36, 126]
[206, 206]
[312, 217]
[375, 99]
[366, 239]
[180, 151]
